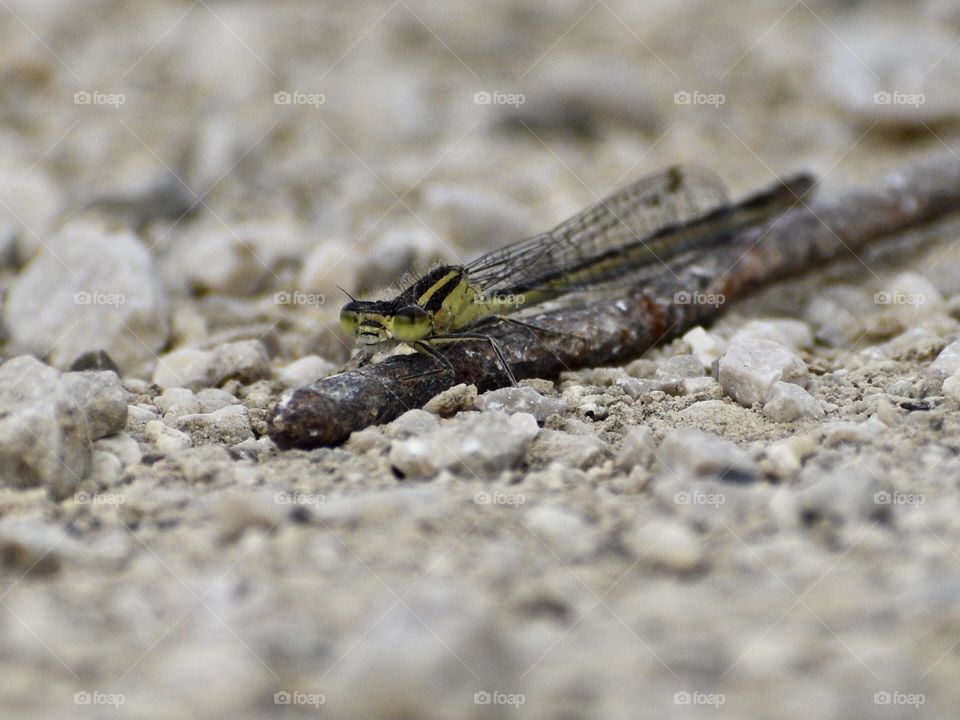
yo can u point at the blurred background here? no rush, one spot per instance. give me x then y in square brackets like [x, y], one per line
[255, 157]
[284, 146]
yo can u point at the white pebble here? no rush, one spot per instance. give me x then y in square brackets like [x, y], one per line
[788, 402]
[749, 369]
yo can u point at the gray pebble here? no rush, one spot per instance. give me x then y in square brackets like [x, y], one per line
[696, 454]
[228, 425]
[581, 451]
[245, 361]
[44, 431]
[304, 371]
[103, 399]
[636, 449]
[470, 444]
[521, 399]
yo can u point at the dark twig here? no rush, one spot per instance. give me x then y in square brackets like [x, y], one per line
[328, 410]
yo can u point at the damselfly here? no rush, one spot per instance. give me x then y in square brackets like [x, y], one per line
[644, 228]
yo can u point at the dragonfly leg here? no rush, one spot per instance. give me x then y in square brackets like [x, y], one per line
[469, 337]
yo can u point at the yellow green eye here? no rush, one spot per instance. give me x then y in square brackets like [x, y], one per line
[348, 322]
[410, 323]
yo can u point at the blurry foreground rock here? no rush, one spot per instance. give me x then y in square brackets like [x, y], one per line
[86, 290]
[48, 421]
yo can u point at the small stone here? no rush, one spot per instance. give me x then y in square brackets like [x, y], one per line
[838, 314]
[638, 388]
[44, 431]
[239, 512]
[105, 468]
[101, 397]
[749, 369]
[453, 400]
[951, 387]
[521, 399]
[235, 260]
[138, 417]
[848, 494]
[166, 440]
[636, 449]
[213, 399]
[32, 545]
[94, 360]
[908, 297]
[227, 426]
[122, 446]
[245, 361]
[331, 265]
[793, 334]
[31, 203]
[946, 365]
[665, 545]
[481, 444]
[786, 456]
[705, 347]
[581, 451]
[697, 385]
[788, 402]
[184, 368]
[693, 453]
[177, 401]
[88, 290]
[680, 367]
[304, 371]
[563, 529]
[887, 413]
[836, 432]
[413, 422]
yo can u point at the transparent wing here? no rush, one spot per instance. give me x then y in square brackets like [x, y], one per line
[650, 205]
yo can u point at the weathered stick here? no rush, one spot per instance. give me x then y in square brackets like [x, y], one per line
[328, 410]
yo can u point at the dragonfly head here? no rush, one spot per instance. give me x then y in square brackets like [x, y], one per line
[374, 322]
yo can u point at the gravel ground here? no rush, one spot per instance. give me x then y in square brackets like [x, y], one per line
[760, 519]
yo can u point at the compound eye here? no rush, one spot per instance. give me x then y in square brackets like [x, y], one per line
[348, 322]
[411, 323]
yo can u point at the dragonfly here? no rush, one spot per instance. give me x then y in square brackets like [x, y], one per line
[641, 229]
